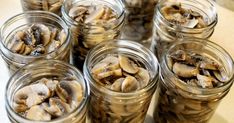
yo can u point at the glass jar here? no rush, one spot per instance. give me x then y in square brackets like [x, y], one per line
[166, 32]
[181, 102]
[139, 20]
[14, 60]
[46, 69]
[45, 5]
[115, 106]
[86, 35]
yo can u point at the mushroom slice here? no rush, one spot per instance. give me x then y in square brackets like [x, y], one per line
[62, 36]
[143, 77]
[56, 107]
[37, 113]
[44, 33]
[221, 75]
[205, 81]
[191, 23]
[179, 55]
[96, 14]
[18, 46]
[116, 86]
[70, 91]
[128, 65]
[129, 84]
[184, 70]
[39, 50]
[109, 63]
[209, 64]
[77, 11]
[114, 73]
[31, 95]
[51, 84]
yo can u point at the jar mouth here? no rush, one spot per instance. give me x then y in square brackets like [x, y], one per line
[193, 89]
[40, 63]
[67, 3]
[34, 14]
[184, 29]
[124, 44]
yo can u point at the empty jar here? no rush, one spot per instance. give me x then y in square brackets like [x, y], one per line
[44, 5]
[139, 20]
[116, 95]
[34, 94]
[175, 20]
[196, 75]
[34, 35]
[92, 22]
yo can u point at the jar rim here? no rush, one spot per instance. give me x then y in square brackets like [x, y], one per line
[130, 44]
[35, 12]
[70, 20]
[189, 88]
[183, 29]
[42, 62]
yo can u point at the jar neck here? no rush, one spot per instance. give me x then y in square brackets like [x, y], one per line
[128, 48]
[205, 8]
[207, 48]
[31, 17]
[116, 5]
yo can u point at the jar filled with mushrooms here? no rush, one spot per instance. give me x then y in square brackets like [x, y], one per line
[92, 22]
[53, 6]
[123, 76]
[196, 75]
[47, 91]
[139, 20]
[34, 35]
[178, 19]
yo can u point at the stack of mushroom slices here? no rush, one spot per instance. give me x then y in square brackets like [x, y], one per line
[36, 39]
[175, 14]
[121, 74]
[47, 99]
[197, 70]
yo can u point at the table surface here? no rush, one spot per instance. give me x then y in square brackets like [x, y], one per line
[223, 35]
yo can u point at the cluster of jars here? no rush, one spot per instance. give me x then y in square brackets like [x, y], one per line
[127, 51]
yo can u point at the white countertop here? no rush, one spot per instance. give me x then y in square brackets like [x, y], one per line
[223, 35]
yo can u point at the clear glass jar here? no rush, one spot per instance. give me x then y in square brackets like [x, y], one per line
[116, 106]
[180, 102]
[45, 5]
[83, 38]
[166, 32]
[46, 69]
[14, 60]
[139, 20]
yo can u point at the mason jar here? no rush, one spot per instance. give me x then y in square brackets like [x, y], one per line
[19, 30]
[193, 97]
[33, 73]
[44, 5]
[139, 20]
[87, 33]
[175, 20]
[109, 104]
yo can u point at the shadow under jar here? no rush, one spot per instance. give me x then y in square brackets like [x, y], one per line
[123, 76]
[47, 91]
[34, 35]
[175, 20]
[92, 22]
[44, 5]
[196, 75]
[139, 20]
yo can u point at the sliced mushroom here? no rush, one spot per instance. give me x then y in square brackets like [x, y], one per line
[184, 70]
[39, 50]
[51, 84]
[56, 107]
[129, 84]
[70, 91]
[41, 33]
[31, 95]
[114, 73]
[209, 64]
[62, 36]
[37, 113]
[128, 65]
[109, 63]
[98, 13]
[205, 81]
[143, 77]
[116, 86]
[221, 75]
